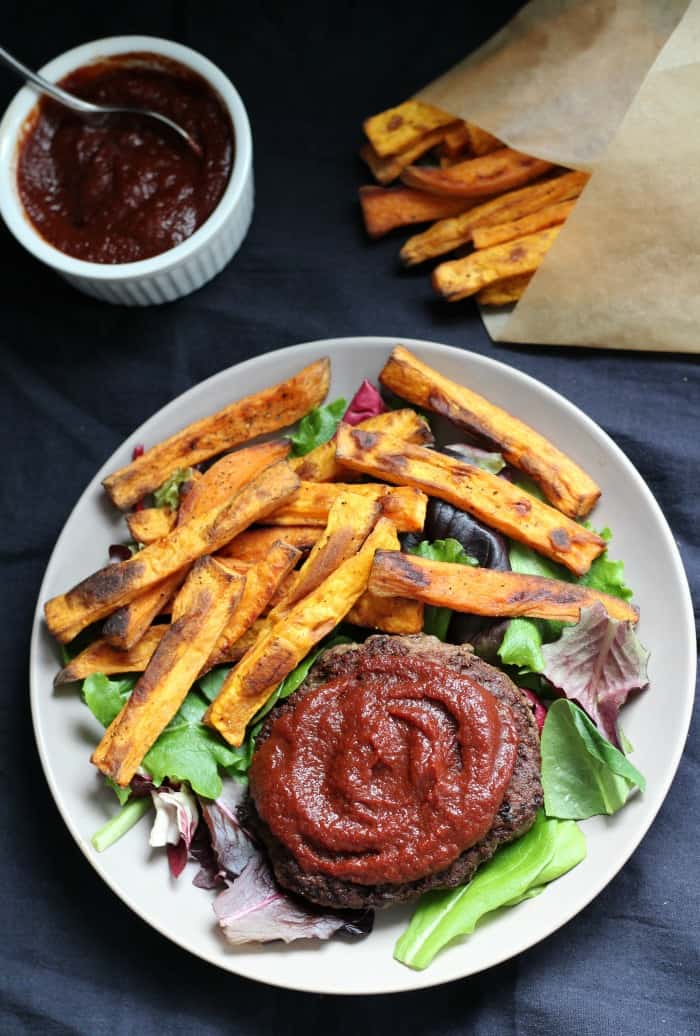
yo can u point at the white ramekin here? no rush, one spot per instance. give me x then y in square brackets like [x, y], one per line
[171, 274]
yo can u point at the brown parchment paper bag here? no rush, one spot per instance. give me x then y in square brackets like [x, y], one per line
[612, 86]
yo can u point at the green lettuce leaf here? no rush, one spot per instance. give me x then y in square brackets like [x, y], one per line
[121, 793]
[485, 459]
[569, 851]
[317, 427]
[187, 750]
[605, 574]
[531, 487]
[522, 642]
[522, 645]
[437, 620]
[211, 683]
[545, 852]
[529, 562]
[104, 697]
[582, 773]
[169, 493]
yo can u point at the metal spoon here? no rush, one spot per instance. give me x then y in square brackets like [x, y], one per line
[87, 108]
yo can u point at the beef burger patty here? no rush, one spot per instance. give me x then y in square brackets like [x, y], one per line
[514, 816]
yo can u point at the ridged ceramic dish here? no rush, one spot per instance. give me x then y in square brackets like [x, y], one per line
[171, 274]
[656, 722]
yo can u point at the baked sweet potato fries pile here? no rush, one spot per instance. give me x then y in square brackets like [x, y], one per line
[499, 209]
[264, 553]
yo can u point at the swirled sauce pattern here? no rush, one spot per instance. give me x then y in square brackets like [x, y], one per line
[386, 774]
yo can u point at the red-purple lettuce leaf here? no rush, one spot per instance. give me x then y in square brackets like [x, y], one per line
[175, 823]
[254, 909]
[142, 785]
[177, 857]
[597, 663]
[365, 403]
[119, 552]
[231, 844]
[209, 875]
[538, 709]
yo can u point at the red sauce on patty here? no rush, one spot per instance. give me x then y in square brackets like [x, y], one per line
[385, 775]
[125, 189]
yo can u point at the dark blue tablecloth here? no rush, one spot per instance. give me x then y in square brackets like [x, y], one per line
[76, 376]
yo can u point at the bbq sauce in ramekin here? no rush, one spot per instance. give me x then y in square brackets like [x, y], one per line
[125, 188]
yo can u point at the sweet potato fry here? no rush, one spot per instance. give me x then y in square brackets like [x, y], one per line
[254, 544]
[504, 292]
[481, 142]
[234, 650]
[397, 129]
[461, 278]
[385, 170]
[320, 465]
[445, 162]
[448, 234]
[385, 208]
[103, 592]
[312, 502]
[239, 422]
[484, 591]
[187, 486]
[151, 524]
[350, 521]
[403, 423]
[491, 499]
[562, 481]
[551, 216]
[481, 177]
[456, 140]
[228, 475]
[127, 625]
[241, 568]
[280, 648]
[389, 614]
[261, 582]
[465, 139]
[400, 615]
[201, 611]
[101, 657]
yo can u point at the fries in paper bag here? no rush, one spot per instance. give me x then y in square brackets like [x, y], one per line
[565, 176]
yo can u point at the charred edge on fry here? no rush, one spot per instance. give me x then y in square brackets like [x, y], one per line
[560, 539]
[270, 670]
[108, 582]
[117, 624]
[403, 566]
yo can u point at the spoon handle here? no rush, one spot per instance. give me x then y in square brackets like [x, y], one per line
[44, 85]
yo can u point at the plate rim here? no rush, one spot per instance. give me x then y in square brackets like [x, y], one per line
[418, 979]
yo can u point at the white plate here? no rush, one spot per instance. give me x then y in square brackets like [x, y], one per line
[656, 722]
